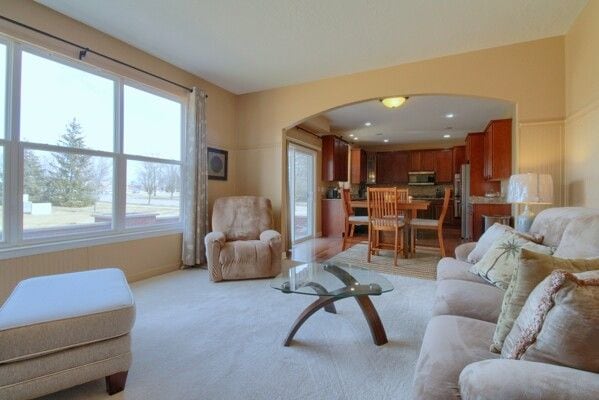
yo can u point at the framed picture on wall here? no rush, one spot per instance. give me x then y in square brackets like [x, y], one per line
[217, 164]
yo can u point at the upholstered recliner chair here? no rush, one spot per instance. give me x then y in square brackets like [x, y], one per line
[242, 244]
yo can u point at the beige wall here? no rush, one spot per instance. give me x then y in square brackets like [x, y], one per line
[531, 75]
[582, 107]
[141, 257]
[540, 148]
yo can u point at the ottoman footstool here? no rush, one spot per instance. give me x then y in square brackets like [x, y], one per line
[63, 330]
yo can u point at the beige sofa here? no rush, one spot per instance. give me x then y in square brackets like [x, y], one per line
[242, 244]
[455, 361]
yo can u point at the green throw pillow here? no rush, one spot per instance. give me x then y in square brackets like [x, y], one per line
[498, 263]
[532, 268]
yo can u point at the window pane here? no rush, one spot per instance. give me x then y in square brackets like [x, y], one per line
[152, 125]
[56, 97]
[153, 192]
[2, 90]
[65, 193]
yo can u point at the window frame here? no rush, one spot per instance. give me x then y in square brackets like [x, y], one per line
[13, 242]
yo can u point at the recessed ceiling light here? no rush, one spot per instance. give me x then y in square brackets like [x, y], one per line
[446, 136]
[449, 115]
[386, 140]
[355, 138]
[368, 123]
[351, 135]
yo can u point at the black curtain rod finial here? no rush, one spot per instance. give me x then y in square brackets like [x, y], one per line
[82, 53]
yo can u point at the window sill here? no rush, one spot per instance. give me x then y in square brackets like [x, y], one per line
[30, 249]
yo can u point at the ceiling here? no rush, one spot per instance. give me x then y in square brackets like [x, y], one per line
[246, 46]
[420, 119]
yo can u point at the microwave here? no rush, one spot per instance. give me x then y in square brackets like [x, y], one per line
[421, 178]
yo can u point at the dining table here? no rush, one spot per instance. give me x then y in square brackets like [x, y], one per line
[411, 207]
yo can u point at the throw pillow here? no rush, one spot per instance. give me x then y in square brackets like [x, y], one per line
[580, 239]
[559, 323]
[497, 265]
[490, 236]
[531, 269]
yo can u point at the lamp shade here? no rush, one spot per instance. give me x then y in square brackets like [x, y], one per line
[530, 188]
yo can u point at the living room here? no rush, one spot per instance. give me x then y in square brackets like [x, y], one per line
[259, 70]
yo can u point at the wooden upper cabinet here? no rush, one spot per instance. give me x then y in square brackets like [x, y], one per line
[415, 160]
[422, 160]
[359, 169]
[392, 167]
[444, 166]
[335, 155]
[498, 150]
[475, 156]
[459, 158]
[428, 158]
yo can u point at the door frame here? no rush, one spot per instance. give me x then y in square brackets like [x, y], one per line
[312, 200]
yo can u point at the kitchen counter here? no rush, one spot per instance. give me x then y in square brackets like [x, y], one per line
[487, 200]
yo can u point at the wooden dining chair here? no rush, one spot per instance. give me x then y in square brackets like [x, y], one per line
[351, 220]
[384, 216]
[431, 224]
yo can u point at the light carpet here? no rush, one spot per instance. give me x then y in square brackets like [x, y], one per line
[194, 339]
[422, 264]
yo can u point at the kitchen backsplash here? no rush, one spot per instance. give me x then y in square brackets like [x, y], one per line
[414, 191]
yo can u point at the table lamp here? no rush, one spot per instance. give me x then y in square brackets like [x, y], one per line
[529, 188]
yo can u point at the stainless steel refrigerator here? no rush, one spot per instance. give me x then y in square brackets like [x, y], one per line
[465, 196]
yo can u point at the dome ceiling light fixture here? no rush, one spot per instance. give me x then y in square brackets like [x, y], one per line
[394, 102]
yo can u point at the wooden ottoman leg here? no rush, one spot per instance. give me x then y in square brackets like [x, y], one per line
[116, 382]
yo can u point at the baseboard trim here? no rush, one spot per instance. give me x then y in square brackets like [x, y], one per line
[153, 272]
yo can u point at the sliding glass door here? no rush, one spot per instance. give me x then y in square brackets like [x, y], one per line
[301, 171]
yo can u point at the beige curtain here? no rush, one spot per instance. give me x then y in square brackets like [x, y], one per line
[195, 197]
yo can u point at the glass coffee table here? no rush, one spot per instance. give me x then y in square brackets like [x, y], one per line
[332, 282]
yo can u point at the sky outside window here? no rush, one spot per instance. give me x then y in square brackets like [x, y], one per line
[52, 94]
[152, 125]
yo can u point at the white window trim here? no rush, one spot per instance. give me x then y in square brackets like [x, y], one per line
[13, 243]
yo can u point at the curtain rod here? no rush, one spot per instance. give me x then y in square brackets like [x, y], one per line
[84, 50]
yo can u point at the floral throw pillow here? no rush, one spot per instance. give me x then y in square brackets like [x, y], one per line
[498, 263]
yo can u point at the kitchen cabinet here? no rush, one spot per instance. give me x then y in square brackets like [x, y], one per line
[478, 210]
[335, 155]
[498, 150]
[392, 167]
[359, 170]
[415, 157]
[333, 218]
[428, 158]
[443, 166]
[422, 160]
[476, 158]
[459, 158]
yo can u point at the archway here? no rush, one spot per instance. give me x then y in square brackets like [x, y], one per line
[288, 138]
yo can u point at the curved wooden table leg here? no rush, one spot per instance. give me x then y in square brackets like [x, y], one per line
[319, 289]
[374, 321]
[307, 313]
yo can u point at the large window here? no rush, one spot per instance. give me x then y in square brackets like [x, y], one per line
[83, 153]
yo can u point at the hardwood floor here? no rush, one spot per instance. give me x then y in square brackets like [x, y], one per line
[322, 249]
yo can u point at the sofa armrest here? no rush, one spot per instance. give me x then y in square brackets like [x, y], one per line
[214, 241]
[502, 379]
[275, 242]
[270, 236]
[213, 237]
[463, 250]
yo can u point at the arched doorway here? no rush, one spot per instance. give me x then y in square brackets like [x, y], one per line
[378, 135]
